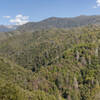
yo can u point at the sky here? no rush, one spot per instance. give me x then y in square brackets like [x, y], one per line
[22, 11]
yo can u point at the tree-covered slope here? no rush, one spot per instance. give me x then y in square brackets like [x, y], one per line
[42, 48]
[16, 83]
[52, 64]
[56, 22]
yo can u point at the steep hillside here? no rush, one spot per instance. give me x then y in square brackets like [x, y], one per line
[55, 22]
[41, 48]
[52, 64]
[16, 83]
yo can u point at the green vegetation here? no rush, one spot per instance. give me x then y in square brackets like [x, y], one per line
[52, 64]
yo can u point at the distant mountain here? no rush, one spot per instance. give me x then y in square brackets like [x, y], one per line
[55, 22]
[7, 28]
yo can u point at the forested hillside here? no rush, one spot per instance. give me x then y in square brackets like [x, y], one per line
[51, 64]
[56, 22]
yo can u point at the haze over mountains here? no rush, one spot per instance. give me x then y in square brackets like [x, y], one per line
[54, 22]
[7, 28]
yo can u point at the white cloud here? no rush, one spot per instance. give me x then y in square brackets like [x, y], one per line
[7, 17]
[20, 19]
[94, 6]
[97, 4]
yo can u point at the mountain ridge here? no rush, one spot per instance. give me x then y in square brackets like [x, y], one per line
[57, 22]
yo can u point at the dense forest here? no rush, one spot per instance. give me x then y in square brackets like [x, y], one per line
[50, 64]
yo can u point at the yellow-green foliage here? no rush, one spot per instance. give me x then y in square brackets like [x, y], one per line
[54, 64]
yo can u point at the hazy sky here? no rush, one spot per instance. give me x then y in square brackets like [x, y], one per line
[22, 11]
